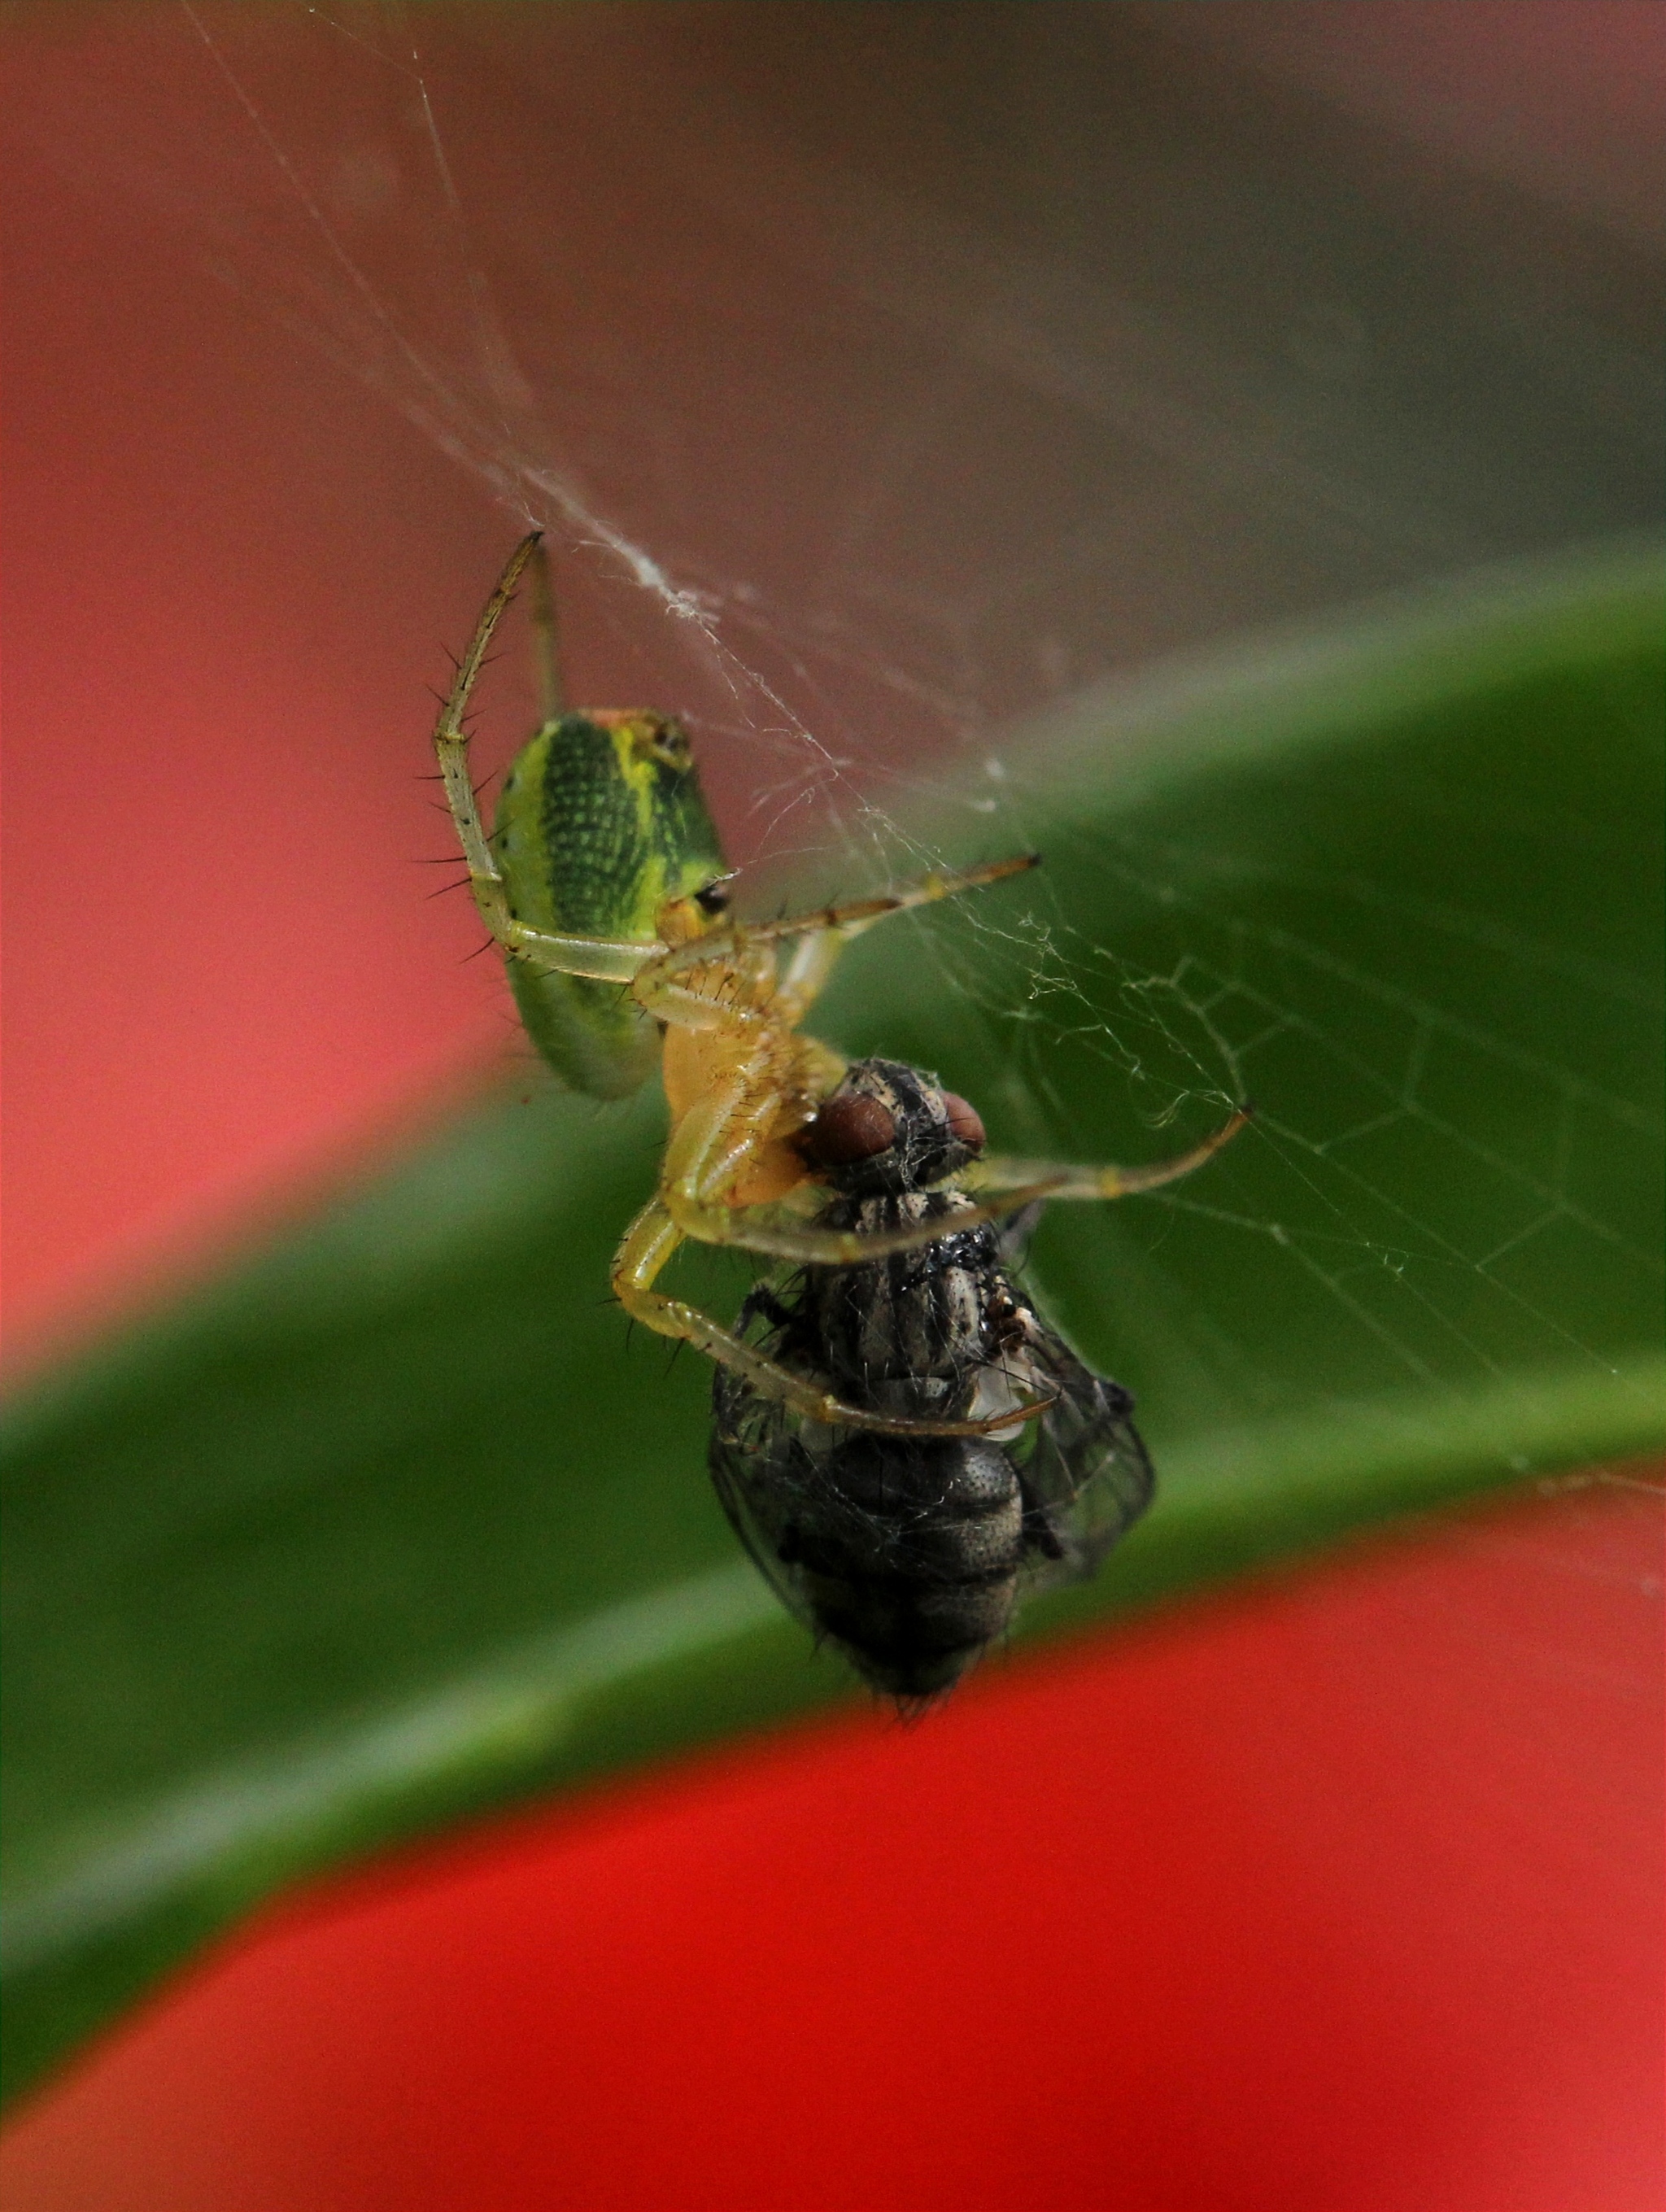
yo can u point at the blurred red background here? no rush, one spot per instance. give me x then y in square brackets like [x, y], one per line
[1343, 1892]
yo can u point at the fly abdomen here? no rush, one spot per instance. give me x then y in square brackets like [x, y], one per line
[911, 1553]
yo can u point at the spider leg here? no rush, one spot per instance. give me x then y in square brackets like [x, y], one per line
[685, 1008]
[846, 919]
[612, 960]
[805, 975]
[648, 1244]
[1003, 1178]
[451, 740]
[1003, 1187]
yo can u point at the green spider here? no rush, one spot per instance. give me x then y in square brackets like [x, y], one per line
[605, 885]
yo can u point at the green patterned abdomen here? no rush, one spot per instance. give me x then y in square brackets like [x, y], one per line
[600, 823]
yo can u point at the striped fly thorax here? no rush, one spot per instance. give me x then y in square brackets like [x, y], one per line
[914, 1317]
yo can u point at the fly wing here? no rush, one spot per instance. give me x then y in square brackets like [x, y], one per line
[757, 1468]
[1089, 1477]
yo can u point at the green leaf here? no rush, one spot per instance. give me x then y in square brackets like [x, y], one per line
[392, 1523]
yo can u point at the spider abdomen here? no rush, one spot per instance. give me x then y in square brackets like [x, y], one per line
[599, 822]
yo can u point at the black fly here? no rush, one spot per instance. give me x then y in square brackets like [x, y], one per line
[910, 1553]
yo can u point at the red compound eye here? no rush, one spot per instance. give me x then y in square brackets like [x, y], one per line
[846, 1130]
[965, 1125]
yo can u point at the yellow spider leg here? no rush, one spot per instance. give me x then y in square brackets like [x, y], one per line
[609, 959]
[847, 919]
[805, 975]
[1008, 1185]
[731, 998]
[1059, 1179]
[649, 1241]
[450, 741]
[811, 961]
[612, 960]
[821, 938]
[687, 1008]
[715, 1139]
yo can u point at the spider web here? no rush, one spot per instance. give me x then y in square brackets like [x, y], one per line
[851, 443]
